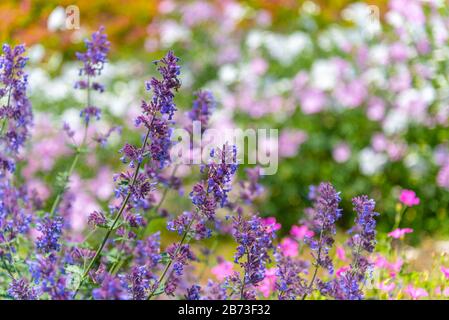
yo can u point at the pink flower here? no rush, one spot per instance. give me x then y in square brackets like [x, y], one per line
[290, 142]
[386, 287]
[301, 232]
[399, 233]
[341, 271]
[416, 293]
[445, 271]
[444, 293]
[312, 101]
[341, 153]
[394, 267]
[409, 198]
[222, 270]
[341, 254]
[267, 285]
[289, 247]
[271, 224]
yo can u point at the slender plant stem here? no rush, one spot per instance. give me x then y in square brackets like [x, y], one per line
[181, 242]
[158, 206]
[317, 266]
[117, 217]
[75, 159]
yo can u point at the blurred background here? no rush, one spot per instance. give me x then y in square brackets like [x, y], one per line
[358, 90]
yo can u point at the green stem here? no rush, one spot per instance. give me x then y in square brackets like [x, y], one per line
[184, 236]
[75, 159]
[119, 214]
[398, 218]
[317, 266]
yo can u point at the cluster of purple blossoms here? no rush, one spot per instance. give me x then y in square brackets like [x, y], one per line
[207, 196]
[348, 285]
[111, 288]
[148, 252]
[290, 282]
[193, 293]
[15, 115]
[191, 222]
[251, 188]
[159, 129]
[94, 59]
[49, 273]
[51, 230]
[15, 122]
[326, 212]
[20, 289]
[255, 240]
[203, 106]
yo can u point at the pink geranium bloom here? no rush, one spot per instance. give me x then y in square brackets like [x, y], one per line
[399, 233]
[415, 293]
[222, 270]
[409, 198]
[444, 293]
[341, 254]
[386, 287]
[445, 271]
[267, 285]
[301, 232]
[342, 270]
[394, 267]
[289, 247]
[271, 224]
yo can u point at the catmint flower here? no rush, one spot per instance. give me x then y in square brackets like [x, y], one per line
[68, 130]
[111, 288]
[20, 289]
[326, 212]
[147, 252]
[96, 218]
[89, 113]
[202, 108]
[207, 196]
[290, 282]
[49, 273]
[163, 89]
[15, 115]
[131, 154]
[193, 293]
[138, 282]
[180, 257]
[15, 208]
[102, 139]
[198, 227]
[95, 56]
[51, 230]
[251, 188]
[255, 241]
[364, 231]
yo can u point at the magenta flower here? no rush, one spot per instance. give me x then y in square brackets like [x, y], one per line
[268, 284]
[289, 247]
[409, 198]
[387, 287]
[415, 293]
[445, 271]
[301, 232]
[399, 233]
[341, 254]
[341, 271]
[222, 270]
[271, 224]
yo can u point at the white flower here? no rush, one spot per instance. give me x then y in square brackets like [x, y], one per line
[56, 19]
[371, 162]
